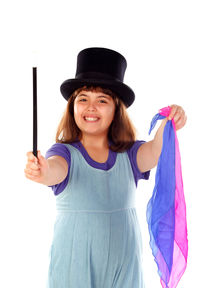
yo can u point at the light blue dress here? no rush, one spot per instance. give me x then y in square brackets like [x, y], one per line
[97, 240]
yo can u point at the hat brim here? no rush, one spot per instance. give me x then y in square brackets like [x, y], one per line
[124, 92]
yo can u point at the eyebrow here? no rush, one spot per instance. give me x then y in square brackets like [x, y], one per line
[100, 96]
[81, 94]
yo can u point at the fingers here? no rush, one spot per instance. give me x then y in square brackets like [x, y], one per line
[178, 115]
[174, 109]
[180, 122]
[41, 159]
[31, 157]
[36, 168]
[32, 167]
[32, 170]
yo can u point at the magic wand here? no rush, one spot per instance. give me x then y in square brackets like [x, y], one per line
[35, 111]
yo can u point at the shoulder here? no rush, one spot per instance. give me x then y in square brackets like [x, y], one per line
[132, 154]
[132, 151]
[59, 149]
[61, 153]
[134, 148]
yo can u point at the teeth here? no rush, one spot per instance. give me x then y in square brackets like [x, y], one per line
[91, 119]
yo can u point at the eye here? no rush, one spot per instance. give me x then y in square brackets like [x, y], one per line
[82, 100]
[102, 101]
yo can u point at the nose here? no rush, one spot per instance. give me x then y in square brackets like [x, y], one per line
[91, 106]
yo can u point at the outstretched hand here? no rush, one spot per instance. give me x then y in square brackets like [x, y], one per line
[178, 115]
[36, 168]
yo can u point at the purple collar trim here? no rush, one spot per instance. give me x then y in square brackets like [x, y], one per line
[103, 166]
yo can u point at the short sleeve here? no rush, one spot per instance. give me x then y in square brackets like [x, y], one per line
[60, 150]
[132, 153]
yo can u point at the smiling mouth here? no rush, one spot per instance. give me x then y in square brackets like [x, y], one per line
[91, 119]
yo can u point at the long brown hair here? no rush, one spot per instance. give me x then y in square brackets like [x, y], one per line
[122, 133]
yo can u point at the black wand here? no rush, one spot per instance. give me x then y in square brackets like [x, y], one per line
[35, 111]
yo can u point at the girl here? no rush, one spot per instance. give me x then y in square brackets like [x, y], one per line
[93, 170]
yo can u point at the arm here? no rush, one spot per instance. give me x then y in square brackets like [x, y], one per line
[49, 171]
[149, 152]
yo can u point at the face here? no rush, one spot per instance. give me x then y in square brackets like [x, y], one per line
[94, 112]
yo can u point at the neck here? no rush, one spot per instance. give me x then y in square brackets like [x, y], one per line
[96, 141]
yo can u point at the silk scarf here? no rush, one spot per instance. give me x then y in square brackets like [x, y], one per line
[166, 210]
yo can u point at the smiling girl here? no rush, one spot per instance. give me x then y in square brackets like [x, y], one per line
[93, 169]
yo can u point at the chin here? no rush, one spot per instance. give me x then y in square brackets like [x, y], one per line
[94, 132]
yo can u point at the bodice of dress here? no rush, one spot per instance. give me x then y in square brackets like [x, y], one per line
[91, 189]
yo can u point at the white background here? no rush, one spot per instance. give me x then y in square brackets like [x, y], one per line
[160, 40]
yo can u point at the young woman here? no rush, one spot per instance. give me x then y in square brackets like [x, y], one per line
[93, 170]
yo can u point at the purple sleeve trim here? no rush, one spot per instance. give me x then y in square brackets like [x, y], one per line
[132, 153]
[60, 150]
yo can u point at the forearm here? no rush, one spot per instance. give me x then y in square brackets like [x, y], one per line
[149, 153]
[157, 142]
[49, 171]
[56, 171]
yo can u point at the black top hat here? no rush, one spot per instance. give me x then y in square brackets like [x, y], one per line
[100, 67]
